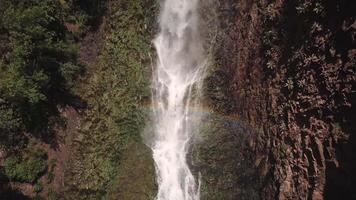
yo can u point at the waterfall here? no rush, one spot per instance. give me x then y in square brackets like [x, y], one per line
[175, 87]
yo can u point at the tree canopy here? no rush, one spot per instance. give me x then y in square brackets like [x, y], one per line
[38, 64]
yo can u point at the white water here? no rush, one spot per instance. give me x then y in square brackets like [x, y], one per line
[179, 70]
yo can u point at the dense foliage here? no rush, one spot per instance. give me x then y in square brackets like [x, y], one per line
[37, 66]
[111, 125]
[26, 169]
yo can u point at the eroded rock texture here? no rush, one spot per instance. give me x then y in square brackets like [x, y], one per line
[287, 69]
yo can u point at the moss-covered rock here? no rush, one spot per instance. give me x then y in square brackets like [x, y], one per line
[136, 174]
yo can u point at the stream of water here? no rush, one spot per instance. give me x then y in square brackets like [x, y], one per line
[176, 82]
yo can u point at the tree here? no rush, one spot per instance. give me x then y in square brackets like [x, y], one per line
[39, 48]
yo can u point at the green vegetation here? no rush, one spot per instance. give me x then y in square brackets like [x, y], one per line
[221, 173]
[37, 67]
[39, 43]
[135, 177]
[26, 169]
[115, 95]
[37, 188]
[52, 194]
[10, 126]
[39, 50]
[31, 70]
[38, 61]
[50, 175]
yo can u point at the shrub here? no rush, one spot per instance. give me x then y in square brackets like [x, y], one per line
[37, 188]
[68, 72]
[26, 169]
[52, 195]
[10, 125]
[50, 177]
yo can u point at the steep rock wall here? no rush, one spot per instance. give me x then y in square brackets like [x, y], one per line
[286, 68]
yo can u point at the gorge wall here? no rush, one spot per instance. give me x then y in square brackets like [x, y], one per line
[287, 69]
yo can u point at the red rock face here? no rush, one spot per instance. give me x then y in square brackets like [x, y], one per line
[289, 72]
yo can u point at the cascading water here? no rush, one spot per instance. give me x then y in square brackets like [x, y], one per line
[179, 70]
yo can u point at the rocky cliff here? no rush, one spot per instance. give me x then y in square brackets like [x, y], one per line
[287, 70]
